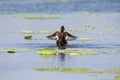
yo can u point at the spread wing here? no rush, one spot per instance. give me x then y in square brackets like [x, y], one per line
[70, 37]
[53, 36]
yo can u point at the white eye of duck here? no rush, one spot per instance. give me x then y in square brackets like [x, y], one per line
[56, 37]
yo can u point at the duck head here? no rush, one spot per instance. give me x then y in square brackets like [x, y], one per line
[62, 29]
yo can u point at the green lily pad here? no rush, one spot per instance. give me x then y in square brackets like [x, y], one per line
[85, 39]
[27, 32]
[44, 32]
[46, 56]
[46, 51]
[28, 37]
[86, 12]
[11, 51]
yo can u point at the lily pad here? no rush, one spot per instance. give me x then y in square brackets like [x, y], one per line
[85, 39]
[44, 32]
[86, 12]
[11, 51]
[27, 32]
[28, 37]
[46, 51]
[51, 1]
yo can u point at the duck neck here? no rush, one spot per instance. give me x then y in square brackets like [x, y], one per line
[62, 30]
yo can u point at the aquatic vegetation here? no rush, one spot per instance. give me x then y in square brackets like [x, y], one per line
[11, 51]
[27, 32]
[85, 39]
[16, 50]
[44, 32]
[45, 56]
[68, 51]
[28, 37]
[117, 71]
[83, 53]
[79, 70]
[77, 51]
[86, 13]
[36, 32]
[117, 77]
[76, 54]
[46, 51]
[8, 50]
[71, 70]
[37, 17]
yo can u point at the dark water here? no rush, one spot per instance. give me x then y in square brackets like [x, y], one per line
[56, 7]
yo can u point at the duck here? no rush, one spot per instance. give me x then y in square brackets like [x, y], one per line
[62, 38]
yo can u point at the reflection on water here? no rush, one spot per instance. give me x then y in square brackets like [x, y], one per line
[62, 56]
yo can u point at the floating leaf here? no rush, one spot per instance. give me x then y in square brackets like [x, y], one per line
[28, 37]
[11, 51]
[27, 32]
[46, 51]
[86, 13]
[44, 32]
[85, 39]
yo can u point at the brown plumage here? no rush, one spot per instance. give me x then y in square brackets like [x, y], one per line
[61, 37]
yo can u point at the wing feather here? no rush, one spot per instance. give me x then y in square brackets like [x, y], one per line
[70, 37]
[53, 36]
